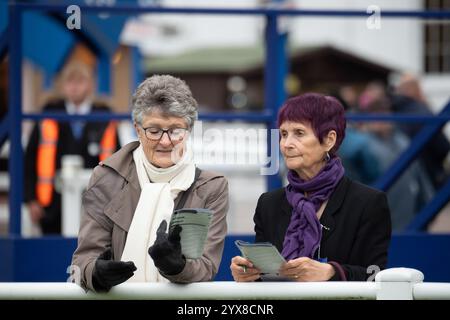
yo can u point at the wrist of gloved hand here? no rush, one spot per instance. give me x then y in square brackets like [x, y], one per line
[98, 284]
[108, 273]
[170, 266]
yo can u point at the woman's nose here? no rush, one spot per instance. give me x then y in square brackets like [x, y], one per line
[287, 141]
[165, 139]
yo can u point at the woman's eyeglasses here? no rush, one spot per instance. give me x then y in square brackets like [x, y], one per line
[155, 134]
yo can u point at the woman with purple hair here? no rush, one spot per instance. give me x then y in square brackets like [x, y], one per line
[326, 226]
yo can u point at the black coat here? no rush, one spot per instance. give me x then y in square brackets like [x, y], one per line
[87, 147]
[358, 220]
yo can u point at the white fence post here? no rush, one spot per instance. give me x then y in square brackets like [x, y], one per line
[397, 283]
[73, 179]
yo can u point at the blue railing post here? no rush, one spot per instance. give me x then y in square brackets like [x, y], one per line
[137, 76]
[104, 73]
[4, 39]
[4, 129]
[274, 77]
[15, 118]
[426, 215]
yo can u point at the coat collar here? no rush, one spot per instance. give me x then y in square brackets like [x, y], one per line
[337, 197]
[122, 162]
[334, 204]
[126, 201]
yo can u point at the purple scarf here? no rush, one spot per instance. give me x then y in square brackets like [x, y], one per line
[304, 231]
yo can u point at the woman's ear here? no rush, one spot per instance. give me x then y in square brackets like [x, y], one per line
[136, 128]
[330, 140]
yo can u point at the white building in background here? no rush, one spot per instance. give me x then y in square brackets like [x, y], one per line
[397, 43]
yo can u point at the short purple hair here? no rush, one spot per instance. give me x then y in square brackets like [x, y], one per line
[322, 113]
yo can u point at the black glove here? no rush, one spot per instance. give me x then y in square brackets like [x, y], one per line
[166, 251]
[108, 273]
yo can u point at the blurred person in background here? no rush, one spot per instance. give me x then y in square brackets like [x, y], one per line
[359, 161]
[51, 140]
[131, 197]
[409, 86]
[413, 189]
[408, 98]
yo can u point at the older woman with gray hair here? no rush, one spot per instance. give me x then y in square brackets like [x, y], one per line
[132, 194]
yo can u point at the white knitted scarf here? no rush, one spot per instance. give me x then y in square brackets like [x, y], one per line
[159, 188]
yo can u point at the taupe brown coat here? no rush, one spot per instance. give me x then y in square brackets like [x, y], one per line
[109, 203]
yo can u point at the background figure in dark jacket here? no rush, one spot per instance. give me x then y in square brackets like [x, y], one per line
[409, 98]
[435, 151]
[326, 226]
[51, 140]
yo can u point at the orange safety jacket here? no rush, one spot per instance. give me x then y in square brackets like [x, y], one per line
[46, 156]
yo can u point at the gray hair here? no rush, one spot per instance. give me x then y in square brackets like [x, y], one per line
[166, 94]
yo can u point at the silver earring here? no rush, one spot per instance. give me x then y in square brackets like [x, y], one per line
[327, 157]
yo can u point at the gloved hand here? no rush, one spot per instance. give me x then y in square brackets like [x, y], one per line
[166, 251]
[108, 273]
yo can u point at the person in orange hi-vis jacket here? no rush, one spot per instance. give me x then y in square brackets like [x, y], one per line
[50, 140]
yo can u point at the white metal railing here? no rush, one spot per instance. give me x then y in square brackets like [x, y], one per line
[390, 284]
[431, 291]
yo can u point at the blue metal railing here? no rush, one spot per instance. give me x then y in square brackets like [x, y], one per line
[272, 11]
[4, 37]
[425, 216]
[264, 116]
[137, 75]
[275, 69]
[4, 127]
[15, 120]
[408, 156]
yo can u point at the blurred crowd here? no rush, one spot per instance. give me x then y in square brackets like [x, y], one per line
[372, 147]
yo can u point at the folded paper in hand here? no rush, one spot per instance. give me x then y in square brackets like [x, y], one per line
[263, 255]
[195, 224]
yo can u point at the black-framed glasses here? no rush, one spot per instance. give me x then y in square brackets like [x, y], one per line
[155, 133]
